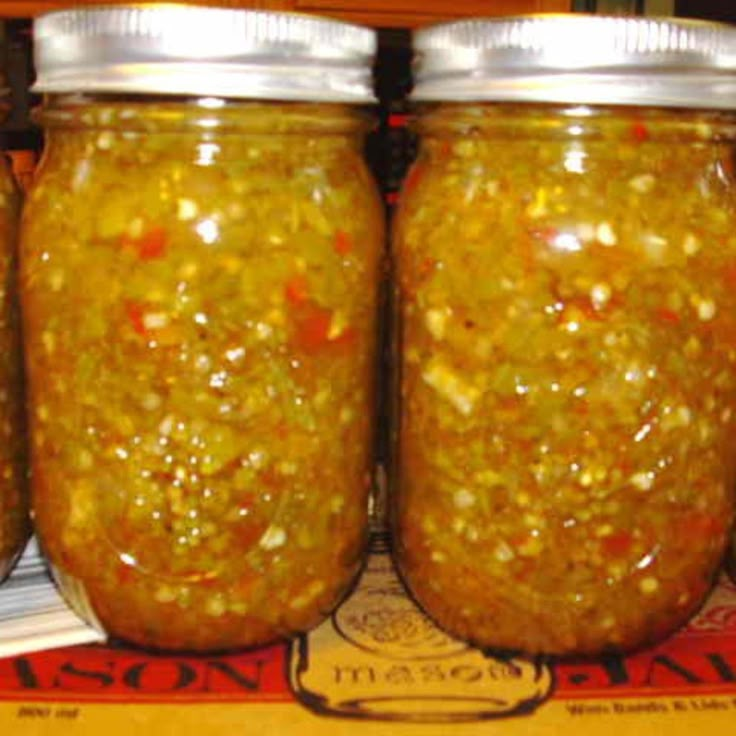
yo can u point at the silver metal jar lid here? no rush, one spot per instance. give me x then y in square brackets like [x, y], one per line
[203, 51]
[579, 59]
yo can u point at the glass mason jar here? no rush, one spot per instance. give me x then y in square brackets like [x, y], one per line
[202, 400]
[566, 258]
[14, 523]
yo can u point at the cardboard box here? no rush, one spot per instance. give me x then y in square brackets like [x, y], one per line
[377, 667]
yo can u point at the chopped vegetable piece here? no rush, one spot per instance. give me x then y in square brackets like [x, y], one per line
[639, 131]
[668, 316]
[296, 290]
[152, 244]
[136, 313]
[312, 328]
[617, 544]
[343, 243]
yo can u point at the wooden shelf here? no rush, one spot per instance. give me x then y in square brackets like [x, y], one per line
[380, 13]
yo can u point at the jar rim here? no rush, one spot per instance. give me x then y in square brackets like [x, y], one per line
[204, 115]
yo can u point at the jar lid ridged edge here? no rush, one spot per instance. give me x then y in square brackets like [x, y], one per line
[156, 48]
[562, 57]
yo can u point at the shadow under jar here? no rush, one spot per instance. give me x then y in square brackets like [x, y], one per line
[199, 288]
[566, 258]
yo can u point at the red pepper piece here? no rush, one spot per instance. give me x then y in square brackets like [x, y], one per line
[625, 467]
[125, 573]
[697, 526]
[617, 544]
[729, 275]
[135, 312]
[397, 120]
[312, 328]
[668, 316]
[343, 243]
[151, 245]
[416, 172]
[296, 290]
[269, 477]
[248, 531]
[524, 569]
[639, 132]
[311, 322]
[426, 268]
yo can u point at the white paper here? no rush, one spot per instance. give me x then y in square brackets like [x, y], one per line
[33, 616]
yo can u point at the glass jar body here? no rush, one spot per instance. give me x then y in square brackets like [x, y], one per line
[199, 291]
[14, 523]
[567, 316]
